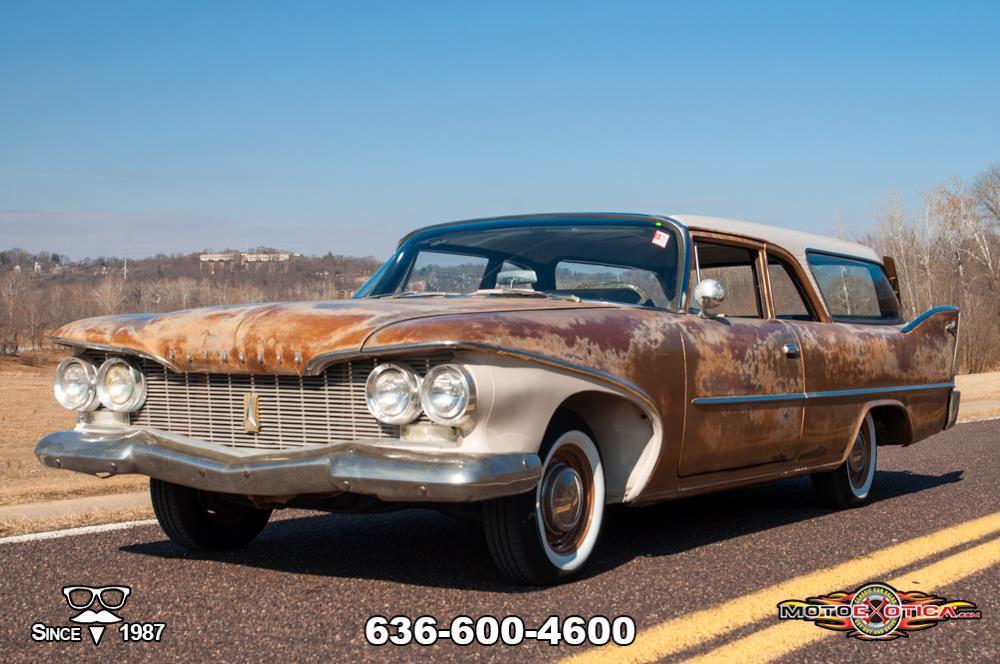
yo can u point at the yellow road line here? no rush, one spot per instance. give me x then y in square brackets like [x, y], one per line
[778, 640]
[679, 634]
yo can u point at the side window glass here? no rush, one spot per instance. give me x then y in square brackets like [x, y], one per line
[787, 294]
[736, 269]
[855, 291]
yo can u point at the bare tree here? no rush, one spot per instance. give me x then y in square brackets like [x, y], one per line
[986, 190]
[948, 254]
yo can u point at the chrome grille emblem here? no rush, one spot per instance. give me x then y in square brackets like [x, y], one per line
[251, 413]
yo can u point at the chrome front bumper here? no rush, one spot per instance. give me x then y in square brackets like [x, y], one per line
[369, 468]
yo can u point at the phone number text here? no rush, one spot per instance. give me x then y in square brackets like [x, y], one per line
[509, 630]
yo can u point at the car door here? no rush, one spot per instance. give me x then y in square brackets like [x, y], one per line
[744, 374]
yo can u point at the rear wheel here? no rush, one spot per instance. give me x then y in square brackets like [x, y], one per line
[850, 484]
[547, 535]
[204, 520]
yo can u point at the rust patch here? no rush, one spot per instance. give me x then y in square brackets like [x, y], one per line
[276, 338]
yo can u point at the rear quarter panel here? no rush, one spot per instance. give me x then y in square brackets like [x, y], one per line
[841, 356]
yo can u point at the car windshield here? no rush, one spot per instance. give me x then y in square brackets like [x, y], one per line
[625, 263]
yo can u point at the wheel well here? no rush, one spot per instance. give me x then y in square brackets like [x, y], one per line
[622, 431]
[892, 425]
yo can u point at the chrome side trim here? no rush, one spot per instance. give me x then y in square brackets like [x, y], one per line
[320, 362]
[924, 316]
[107, 348]
[364, 467]
[812, 396]
[750, 398]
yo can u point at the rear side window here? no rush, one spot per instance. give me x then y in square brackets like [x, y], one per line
[787, 295]
[855, 291]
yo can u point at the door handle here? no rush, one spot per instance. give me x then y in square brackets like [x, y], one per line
[791, 350]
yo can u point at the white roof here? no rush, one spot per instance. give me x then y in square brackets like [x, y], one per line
[795, 242]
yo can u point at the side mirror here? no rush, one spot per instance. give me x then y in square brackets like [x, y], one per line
[709, 294]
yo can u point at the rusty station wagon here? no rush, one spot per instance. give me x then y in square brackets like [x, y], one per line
[531, 369]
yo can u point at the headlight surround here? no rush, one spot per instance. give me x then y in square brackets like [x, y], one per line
[448, 394]
[74, 384]
[120, 386]
[392, 393]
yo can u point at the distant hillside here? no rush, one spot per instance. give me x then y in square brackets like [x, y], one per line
[40, 291]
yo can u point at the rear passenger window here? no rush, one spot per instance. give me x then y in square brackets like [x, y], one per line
[855, 291]
[790, 302]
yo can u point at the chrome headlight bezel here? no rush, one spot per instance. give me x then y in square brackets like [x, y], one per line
[138, 396]
[91, 402]
[468, 404]
[412, 380]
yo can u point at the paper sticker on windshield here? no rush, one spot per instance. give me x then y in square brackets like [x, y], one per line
[660, 238]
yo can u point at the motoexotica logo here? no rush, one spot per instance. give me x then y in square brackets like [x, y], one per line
[877, 611]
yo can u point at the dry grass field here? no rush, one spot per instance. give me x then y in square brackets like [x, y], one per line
[30, 412]
[980, 396]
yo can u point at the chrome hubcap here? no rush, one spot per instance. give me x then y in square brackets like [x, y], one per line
[562, 498]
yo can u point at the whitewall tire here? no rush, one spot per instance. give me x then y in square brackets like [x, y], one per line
[548, 534]
[850, 483]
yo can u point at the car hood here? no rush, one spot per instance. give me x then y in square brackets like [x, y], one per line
[281, 338]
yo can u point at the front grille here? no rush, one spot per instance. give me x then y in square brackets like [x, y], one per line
[295, 411]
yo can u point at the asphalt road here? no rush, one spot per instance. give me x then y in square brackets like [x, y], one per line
[693, 574]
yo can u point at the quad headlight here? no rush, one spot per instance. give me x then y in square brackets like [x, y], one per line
[75, 384]
[448, 394]
[393, 393]
[120, 386]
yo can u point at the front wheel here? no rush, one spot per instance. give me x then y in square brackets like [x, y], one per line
[203, 520]
[547, 535]
[850, 484]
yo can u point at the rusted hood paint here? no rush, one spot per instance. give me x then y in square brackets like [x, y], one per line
[620, 342]
[281, 338]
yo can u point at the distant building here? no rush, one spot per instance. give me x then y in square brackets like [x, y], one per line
[268, 257]
[217, 261]
[246, 259]
[218, 258]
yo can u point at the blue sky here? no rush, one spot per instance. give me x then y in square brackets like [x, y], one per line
[339, 126]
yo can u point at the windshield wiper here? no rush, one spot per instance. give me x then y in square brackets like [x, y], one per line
[524, 292]
[414, 294]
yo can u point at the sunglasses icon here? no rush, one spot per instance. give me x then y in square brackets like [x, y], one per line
[110, 597]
